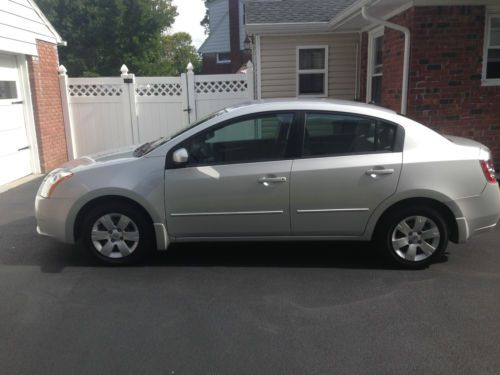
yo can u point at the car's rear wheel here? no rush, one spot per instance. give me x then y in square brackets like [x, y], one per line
[413, 237]
[116, 234]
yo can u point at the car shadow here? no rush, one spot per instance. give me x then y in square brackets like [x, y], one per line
[21, 245]
[289, 254]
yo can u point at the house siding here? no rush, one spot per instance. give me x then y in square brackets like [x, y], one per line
[21, 26]
[279, 65]
[218, 40]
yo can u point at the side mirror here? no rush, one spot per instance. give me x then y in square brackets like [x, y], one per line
[180, 156]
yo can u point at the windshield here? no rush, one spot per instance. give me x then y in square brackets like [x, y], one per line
[150, 146]
[200, 121]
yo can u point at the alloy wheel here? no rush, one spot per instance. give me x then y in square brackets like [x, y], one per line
[115, 235]
[415, 238]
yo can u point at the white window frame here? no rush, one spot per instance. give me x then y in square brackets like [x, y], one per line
[490, 13]
[372, 35]
[226, 61]
[311, 71]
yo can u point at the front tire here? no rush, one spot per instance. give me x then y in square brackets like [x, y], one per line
[116, 234]
[413, 237]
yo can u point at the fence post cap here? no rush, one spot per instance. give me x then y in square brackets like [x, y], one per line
[62, 70]
[190, 67]
[124, 69]
[249, 64]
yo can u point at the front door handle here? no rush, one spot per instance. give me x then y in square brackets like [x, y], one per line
[379, 171]
[268, 180]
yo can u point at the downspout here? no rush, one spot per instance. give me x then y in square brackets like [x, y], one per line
[406, 63]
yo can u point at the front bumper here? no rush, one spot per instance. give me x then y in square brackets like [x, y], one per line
[52, 218]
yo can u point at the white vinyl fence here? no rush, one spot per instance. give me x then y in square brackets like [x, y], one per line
[110, 112]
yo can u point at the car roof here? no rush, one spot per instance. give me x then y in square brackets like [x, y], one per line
[299, 104]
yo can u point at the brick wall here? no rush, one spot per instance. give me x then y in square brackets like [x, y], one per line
[210, 65]
[445, 91]
[47, 108]
[393, 59]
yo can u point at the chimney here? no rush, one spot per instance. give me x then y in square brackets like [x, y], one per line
[234, 34]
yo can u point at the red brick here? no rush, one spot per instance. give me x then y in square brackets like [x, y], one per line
[449, 99]
[47, 107]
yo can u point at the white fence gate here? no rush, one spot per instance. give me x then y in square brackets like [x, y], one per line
[106, 113]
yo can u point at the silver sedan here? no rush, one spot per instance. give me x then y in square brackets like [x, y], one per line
[278, 170]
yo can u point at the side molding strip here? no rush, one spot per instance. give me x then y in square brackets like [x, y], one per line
[333, 210]
[227, 213]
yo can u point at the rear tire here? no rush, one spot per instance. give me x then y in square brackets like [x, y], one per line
[117, 234]
[413, 237]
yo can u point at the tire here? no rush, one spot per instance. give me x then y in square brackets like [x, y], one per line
[413, 237]
[117, 233]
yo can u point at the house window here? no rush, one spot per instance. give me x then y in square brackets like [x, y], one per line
[312, 72]
[224, 58]
[375, 65]
[491, 65]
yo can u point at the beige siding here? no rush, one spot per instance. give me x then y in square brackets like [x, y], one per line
[279, 64]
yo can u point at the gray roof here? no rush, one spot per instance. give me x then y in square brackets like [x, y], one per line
[291, 11]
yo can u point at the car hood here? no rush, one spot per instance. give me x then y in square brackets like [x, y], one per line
[106, 157]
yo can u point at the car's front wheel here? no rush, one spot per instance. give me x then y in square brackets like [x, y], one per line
[413, 237]
[116, 233]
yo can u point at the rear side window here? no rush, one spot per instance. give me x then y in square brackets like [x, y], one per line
[340, 134]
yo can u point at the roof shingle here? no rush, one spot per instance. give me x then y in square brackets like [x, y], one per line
[292, 11]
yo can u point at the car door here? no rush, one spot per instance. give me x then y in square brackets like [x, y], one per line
[349, 165]
[235, 181]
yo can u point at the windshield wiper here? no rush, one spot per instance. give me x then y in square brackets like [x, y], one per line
[142, 149]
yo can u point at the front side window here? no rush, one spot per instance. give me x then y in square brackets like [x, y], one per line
[260, 138]
[492, 51]
[312, 71]
[375, 68]
[338, 134]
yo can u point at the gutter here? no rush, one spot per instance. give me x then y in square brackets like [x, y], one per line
[406, 63]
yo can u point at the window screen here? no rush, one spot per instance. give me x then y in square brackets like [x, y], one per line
[493, 48]
[312, 71]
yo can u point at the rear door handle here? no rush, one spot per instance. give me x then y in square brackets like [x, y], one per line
[377, 172]
[266, 180]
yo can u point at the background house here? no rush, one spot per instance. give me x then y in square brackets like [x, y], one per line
[224, 51]
[328, 48]
[32, 136]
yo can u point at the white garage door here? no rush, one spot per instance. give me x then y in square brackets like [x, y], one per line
[15, 154]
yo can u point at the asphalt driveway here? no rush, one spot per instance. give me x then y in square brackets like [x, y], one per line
[274, 308]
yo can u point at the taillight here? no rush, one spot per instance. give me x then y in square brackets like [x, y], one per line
[488, 170]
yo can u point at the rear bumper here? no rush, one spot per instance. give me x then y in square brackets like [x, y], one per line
[480, 213]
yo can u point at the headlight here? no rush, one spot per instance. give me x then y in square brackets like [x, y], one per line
[52, 180]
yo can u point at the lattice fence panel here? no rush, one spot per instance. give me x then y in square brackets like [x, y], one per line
[220, 87]
[159, 89]
[90, 90]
